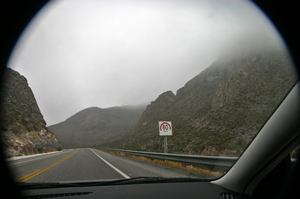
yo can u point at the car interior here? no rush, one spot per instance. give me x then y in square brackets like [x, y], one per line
[264, 170]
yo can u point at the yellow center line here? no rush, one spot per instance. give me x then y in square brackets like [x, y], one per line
[27, 175]
[47, 168]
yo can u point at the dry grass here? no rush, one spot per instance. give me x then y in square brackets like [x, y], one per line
[177, 165]
[37, 152]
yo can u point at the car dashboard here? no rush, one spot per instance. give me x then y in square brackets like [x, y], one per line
[149, 190]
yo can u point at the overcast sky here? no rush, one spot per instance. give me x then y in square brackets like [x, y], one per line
[79, 54]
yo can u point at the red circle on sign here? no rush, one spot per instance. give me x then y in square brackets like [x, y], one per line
[165, 123]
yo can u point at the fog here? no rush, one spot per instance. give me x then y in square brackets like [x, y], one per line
[79, 54]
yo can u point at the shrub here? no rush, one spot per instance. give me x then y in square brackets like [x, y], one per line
[40, 150]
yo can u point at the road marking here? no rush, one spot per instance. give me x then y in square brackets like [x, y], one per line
[27, 175]
[117, 170]
[31, 156]
[48, 167]
[46, 156]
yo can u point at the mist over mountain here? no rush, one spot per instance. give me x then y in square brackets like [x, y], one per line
[94, 126]
[22, 123]
[220, 110]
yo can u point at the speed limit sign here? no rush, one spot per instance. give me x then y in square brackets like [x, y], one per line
[165, 128]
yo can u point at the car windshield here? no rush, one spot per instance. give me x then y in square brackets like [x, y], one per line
[101, 90]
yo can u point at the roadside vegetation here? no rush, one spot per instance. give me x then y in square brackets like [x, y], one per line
[39, 151]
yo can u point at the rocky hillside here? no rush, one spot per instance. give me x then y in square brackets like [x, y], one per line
[220, 110]
[21, 120]
[94, 126]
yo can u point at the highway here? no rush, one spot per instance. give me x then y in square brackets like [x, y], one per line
[87, 164]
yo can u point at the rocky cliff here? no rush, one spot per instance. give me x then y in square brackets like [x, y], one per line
[21, 120]
[94, 126]
[219, 111]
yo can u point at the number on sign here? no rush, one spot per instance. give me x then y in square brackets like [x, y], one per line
[165, 127]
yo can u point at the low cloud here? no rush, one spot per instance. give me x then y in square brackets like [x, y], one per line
[79, 54]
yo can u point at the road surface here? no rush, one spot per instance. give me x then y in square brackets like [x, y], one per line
[87, 164]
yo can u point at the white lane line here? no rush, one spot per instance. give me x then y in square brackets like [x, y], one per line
[117, 170]
[47, 156]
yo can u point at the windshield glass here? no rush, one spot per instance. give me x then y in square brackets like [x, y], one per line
[99, 90]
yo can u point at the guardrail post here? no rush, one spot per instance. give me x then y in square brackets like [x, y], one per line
[183, 165]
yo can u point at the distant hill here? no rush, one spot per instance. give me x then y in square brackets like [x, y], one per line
[22, 123]
[94, 126]
[220, 110]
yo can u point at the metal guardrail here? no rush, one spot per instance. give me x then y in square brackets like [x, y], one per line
[200, 159]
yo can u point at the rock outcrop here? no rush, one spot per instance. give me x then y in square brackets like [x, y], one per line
[219, 111]
[22, 123]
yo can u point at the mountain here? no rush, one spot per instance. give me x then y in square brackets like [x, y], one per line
[22, 123]
[220, 110]
[94, 126]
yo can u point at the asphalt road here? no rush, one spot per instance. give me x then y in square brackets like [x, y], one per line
[87, 164]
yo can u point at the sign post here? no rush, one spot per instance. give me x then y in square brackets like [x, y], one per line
[165, 129]
[166, 144]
